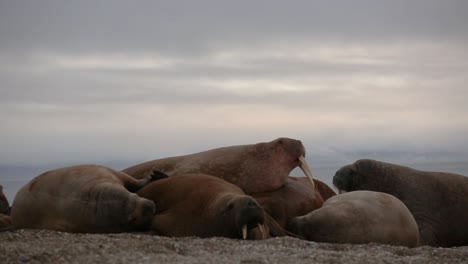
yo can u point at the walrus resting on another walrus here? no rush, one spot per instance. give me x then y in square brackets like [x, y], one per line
[5, 219]
[253, 168]
[87, 198]
[357, 218]
[295, 198]
[206, 206]
[437, 200]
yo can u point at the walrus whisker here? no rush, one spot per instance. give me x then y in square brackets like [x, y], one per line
[307, 170]
[244, 231]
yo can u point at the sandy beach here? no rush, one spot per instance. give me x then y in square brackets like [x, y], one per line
[41, 246]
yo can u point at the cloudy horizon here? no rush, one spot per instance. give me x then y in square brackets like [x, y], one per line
[124, 81]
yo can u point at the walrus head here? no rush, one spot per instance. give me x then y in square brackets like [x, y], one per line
[243, 214]
[359, 176]
[271, 162]
[344, 177]
[140, 212]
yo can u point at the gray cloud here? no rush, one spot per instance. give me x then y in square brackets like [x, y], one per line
[100, 80]
[191, 27]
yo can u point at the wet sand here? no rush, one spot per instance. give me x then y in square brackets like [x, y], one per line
[40, 246]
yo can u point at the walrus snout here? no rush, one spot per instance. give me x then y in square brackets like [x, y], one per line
[292, 146]
[297, 152]
[143, 214]
[343, 178]
[249, 216]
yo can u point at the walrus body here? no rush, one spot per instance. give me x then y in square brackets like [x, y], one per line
[437, 200]
[296, 197]
[254, 168]
[5, 219]
[204, 206]
[87, 198]
[359, 217]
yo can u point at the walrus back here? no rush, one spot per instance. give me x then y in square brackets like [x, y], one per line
[49, 199]
[83, 198]
[26, 206]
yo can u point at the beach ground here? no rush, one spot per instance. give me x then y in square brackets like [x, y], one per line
[41, 246]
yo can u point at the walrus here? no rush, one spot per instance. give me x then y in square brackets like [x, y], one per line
[438, 200]
[5, 219]
[295, 198]
[4, 205]
[254, 168]
[83, 199]
[357, 218]
[206, 206]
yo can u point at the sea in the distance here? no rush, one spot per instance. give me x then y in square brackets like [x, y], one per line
[13, 178]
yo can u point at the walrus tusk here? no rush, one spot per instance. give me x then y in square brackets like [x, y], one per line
[306, 169]
[244, 232]
[262, 230]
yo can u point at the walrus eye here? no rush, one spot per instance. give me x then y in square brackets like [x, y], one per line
[228, 208]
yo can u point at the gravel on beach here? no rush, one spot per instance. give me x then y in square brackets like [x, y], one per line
[43, 246]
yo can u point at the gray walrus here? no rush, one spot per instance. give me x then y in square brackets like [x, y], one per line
[437, 200]
[254, 168]
[295, 198]
[86, 198]
[359, 217]
[206, 206]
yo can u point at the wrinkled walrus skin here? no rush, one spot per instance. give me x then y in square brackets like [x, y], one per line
[254, 168]
[437, 200]
[84, 199]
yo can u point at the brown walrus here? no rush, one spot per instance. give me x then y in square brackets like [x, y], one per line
[357, 218]
[295, 198]
[5, 219]
[437, 200]
[254, 168]
[86, 198]
[206, 206]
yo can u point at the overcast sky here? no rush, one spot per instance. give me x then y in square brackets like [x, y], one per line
[95, 81]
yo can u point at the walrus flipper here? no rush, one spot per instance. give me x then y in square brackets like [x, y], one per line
[132, 184]
[158, 175]
[275, 229]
